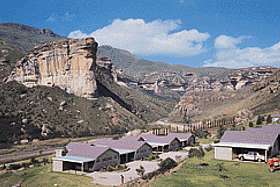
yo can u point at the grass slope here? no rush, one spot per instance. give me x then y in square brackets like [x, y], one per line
[239, 174]
[42, 176]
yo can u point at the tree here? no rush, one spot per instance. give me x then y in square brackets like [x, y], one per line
[251, 124]
[220, 132]
[194, 152]
[167, 164]
[269, 119]
[140, 171]
[201, 133]
[259, 120]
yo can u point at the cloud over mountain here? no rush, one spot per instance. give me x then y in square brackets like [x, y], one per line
[229, 54]
[158, 37]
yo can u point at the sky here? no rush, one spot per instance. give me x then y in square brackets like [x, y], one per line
[220, 33]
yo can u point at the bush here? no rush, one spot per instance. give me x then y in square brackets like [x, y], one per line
[220, 132]
[152, 157]
[208, 148]
[269, 119]
[201, 133]
[251, 124]
[116, 168]
[140, 171]
[167, 164]
[260, 120]
[14, 166]
[194, 152]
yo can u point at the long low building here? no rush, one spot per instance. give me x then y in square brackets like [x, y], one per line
[169, 142]
[101, 153]
[129, 148]
[85, 157]
[264, 140]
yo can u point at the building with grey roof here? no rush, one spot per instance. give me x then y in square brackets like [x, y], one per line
[264, 140]
[104, 152]
[129, 148]
[160, 143]
[85, 157]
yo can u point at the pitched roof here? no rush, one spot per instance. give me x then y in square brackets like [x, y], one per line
[265, 135]
[151, 138]
[85, 150]
[181, 136]
[127, 143]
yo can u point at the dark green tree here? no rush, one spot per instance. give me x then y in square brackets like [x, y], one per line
[251, 124]
[220, 132]
[269, 119]
[259, 120]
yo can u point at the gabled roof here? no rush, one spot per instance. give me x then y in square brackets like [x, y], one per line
[154, 139]
[265, 135]
[181, 136]
[85, 150]
[123, 145]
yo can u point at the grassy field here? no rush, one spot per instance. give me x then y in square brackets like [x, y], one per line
[218, 174]
[43, 177]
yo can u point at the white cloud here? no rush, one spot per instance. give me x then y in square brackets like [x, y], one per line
[149, 38]
[224, 41]
[230, 55]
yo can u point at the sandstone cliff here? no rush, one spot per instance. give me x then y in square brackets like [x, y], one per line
[68, 64]
[255, 90]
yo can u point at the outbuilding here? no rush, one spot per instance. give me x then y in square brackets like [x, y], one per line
[264, 140]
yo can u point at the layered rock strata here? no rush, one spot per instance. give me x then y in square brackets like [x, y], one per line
[69, 64]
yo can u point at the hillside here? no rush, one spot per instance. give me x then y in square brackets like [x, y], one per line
[137, 67]
[16, 40]
[259, 97]
[47, 111]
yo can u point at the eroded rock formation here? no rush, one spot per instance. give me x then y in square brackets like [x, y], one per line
[69, 64]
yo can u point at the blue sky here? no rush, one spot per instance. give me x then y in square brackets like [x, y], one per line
[229, 33]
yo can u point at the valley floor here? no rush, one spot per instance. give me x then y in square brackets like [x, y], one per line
[196, 172]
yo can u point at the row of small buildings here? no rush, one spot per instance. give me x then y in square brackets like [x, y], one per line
[264, 140]
[102, 153]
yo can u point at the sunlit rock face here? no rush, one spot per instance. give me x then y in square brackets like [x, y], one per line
[69, 64]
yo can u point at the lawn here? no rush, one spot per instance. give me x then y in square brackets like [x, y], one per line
[42, 176]
[219, 173]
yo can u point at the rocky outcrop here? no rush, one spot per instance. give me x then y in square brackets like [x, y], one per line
[69, 64]
[245, 89]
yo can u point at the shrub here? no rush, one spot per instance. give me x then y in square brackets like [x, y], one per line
[167, 164]
[269, 119]
[260, 120]
[208, 148]
[194, 152]
[140, 171]
[152, 157]
[14, 166]
[251, 124]
[220, 132]
[201, 133]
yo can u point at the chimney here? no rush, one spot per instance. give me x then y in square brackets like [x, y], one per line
[61, 151]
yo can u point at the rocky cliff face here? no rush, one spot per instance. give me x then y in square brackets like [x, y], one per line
[245, 89]
[68, 64]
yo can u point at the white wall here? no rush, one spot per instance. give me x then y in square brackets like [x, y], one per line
[57, 165]
[223, 153]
